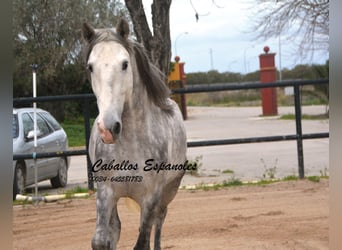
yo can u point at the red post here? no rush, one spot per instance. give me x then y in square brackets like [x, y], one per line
[267, 75]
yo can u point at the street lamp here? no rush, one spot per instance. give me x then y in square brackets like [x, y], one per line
[230, 65]
[211, 59]
[244, 57]
[184, 33]
[279, 43]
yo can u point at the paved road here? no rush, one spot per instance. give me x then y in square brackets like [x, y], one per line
[246, 161]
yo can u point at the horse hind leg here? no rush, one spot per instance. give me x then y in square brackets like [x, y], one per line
[159, 220]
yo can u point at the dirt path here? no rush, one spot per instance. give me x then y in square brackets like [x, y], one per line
[287, 215]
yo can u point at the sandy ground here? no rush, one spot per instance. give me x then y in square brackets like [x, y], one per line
[286, 215]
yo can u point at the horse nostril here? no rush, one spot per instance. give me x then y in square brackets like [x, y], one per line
[117, 128]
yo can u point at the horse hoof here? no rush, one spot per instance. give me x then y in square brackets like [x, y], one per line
[95, 245]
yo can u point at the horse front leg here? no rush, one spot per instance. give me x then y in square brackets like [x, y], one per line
[104, 236]
[146, 222]
[160, 217]
[115, 224]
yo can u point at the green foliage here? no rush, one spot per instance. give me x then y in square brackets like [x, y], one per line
[212, 76]
[269, 172]
[232, 182]
[75, 133]
[48, 33]
[322, 71]
[198, 163]
[313, 178]
[305, 117]
[225, 98]
[74, 128]
[227, 171]
[76, 190]
[264, 182]
[311, 95]
[290, 178]
[308, 72]
[171, 67]
[324, 173]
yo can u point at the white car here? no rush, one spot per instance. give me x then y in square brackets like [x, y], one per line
[50, 138]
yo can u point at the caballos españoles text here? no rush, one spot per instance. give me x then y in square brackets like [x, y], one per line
[150, 165]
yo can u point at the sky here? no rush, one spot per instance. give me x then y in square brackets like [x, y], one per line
[221, 38]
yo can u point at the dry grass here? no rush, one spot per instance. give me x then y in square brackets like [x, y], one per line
[249, 98]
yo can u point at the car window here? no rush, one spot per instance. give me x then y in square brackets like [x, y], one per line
[52, 121]
[27, 123]
[15, 127]
[42, 126]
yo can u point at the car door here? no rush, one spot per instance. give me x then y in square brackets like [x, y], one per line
[28, 148]
[46, 143]
[58, 135]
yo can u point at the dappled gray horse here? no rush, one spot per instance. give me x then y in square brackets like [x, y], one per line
[138, 141]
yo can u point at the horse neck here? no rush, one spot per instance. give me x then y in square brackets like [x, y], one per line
[139, 110]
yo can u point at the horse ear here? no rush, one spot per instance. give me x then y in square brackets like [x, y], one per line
[88, 32]
[122, 28]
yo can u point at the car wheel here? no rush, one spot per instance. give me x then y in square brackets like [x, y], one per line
[62, 176]
[19, 180]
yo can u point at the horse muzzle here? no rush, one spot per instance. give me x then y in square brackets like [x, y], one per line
[109, 136]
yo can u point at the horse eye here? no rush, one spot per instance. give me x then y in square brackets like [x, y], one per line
[90, 68]
[124, 65]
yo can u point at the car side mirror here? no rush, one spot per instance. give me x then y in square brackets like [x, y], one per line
[30, 134]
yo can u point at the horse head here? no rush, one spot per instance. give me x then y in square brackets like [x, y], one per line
[110, 68]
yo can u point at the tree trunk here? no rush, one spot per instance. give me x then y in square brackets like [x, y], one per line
[158, 44]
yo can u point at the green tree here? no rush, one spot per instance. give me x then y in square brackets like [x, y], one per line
[48, 33]
[322, 91]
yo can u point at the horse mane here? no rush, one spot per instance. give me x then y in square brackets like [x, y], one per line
[152, 78]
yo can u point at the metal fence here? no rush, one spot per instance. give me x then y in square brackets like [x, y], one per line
[298, 136]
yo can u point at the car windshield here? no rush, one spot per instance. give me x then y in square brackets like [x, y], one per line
[15, 127]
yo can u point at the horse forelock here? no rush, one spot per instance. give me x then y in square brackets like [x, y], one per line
[106, 35]
[151, 77]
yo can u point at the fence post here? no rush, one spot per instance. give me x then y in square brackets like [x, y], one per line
[267, 75]
[183, 85]
[176, 80]
[87, 136]
[299, 132]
